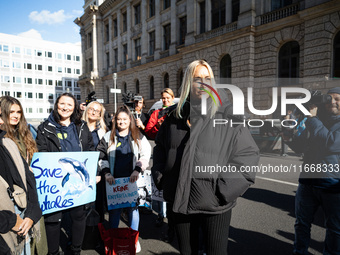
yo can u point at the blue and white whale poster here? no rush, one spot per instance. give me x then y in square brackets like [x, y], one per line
[65, 179]
[121, 194]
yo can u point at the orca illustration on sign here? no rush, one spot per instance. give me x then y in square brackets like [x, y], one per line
[76, 168]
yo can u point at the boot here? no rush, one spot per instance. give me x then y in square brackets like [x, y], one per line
[75, 250]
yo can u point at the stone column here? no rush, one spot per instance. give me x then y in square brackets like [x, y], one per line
[129, 41]
[94, 47]
[144, 38]
[174, 29]
[247, 13]
[208, 15]
[228, 11]
[158, 31]
[119, 40]
[83, 49]
[192, 9]
[110, 44]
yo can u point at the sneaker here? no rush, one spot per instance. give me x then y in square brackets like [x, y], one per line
[138, 248]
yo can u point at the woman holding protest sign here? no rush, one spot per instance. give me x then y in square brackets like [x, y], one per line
[124, 152]
[18, 213]
[188, 142]
[64, 131]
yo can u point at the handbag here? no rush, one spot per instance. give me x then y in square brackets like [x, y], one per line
[18, 195]
[119, 241]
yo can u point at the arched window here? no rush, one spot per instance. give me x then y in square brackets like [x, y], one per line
[166, 80]
[152, 87]
[137, 87]
[336, 56]
[108, 95]
[124, 87]
[225, 69]
[289, 59]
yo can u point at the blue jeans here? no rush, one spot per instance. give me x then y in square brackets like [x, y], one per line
[133, 214]
[307, 201]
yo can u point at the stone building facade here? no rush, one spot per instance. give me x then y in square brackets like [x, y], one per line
[149, 43]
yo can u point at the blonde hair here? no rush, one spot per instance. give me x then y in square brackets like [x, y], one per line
[100, 122]
[169, 91]
[187, 84]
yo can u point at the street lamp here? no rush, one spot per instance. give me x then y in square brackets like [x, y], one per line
[114, 90]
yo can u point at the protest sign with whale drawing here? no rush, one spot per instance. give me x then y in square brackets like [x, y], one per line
[65, 179]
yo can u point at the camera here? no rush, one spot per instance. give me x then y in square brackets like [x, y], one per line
[318, 98]
[129, 100]
[90, 97]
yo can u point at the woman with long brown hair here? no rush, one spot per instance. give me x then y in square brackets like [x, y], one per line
[124, 152]
[16, 127]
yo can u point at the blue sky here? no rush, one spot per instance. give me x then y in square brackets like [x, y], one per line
[42, 19]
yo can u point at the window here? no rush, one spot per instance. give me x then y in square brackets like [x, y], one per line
[166, 4]
[50, 96]
[48, 54]
[182, 30]
[49, 82]
[166, 37]
[68, 57]
[336, 56]
[137, 87]
[39, 81]
[225, 69]
[77, 71]
[40, 95]
[38, 53]
[217, 13]
[5, 93]
[68, 70]
[107, 33]
[137, 14]
[152, 88]
[78, 97]
[16, 79]
[107, 60]
[29, 110]
[89, 40]
[28, 52]
[76, 84]
[115, 28]
[277, 4]
[60, 69]
[90, 64]
[49, 68]
[124, 16]
[58, 83]
[151, 8]
[235, 10]
[138, 54]
[28, 95]
[289, 62]
[152, 43]
[19, 94]
[202, 17]
[5, 63]
[5, 48]
[40, 110]
[5, 78]
[38, 67]
[69, 84]
[77, 58]
[17, 65]
[166, 80]
[28, 80]
[115, 51]
[16, 50]
[59, 55]
[125, 54]
[124, 87]
[28, 66]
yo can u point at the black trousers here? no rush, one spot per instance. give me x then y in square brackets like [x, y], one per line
[215, 228]
[78, 217]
